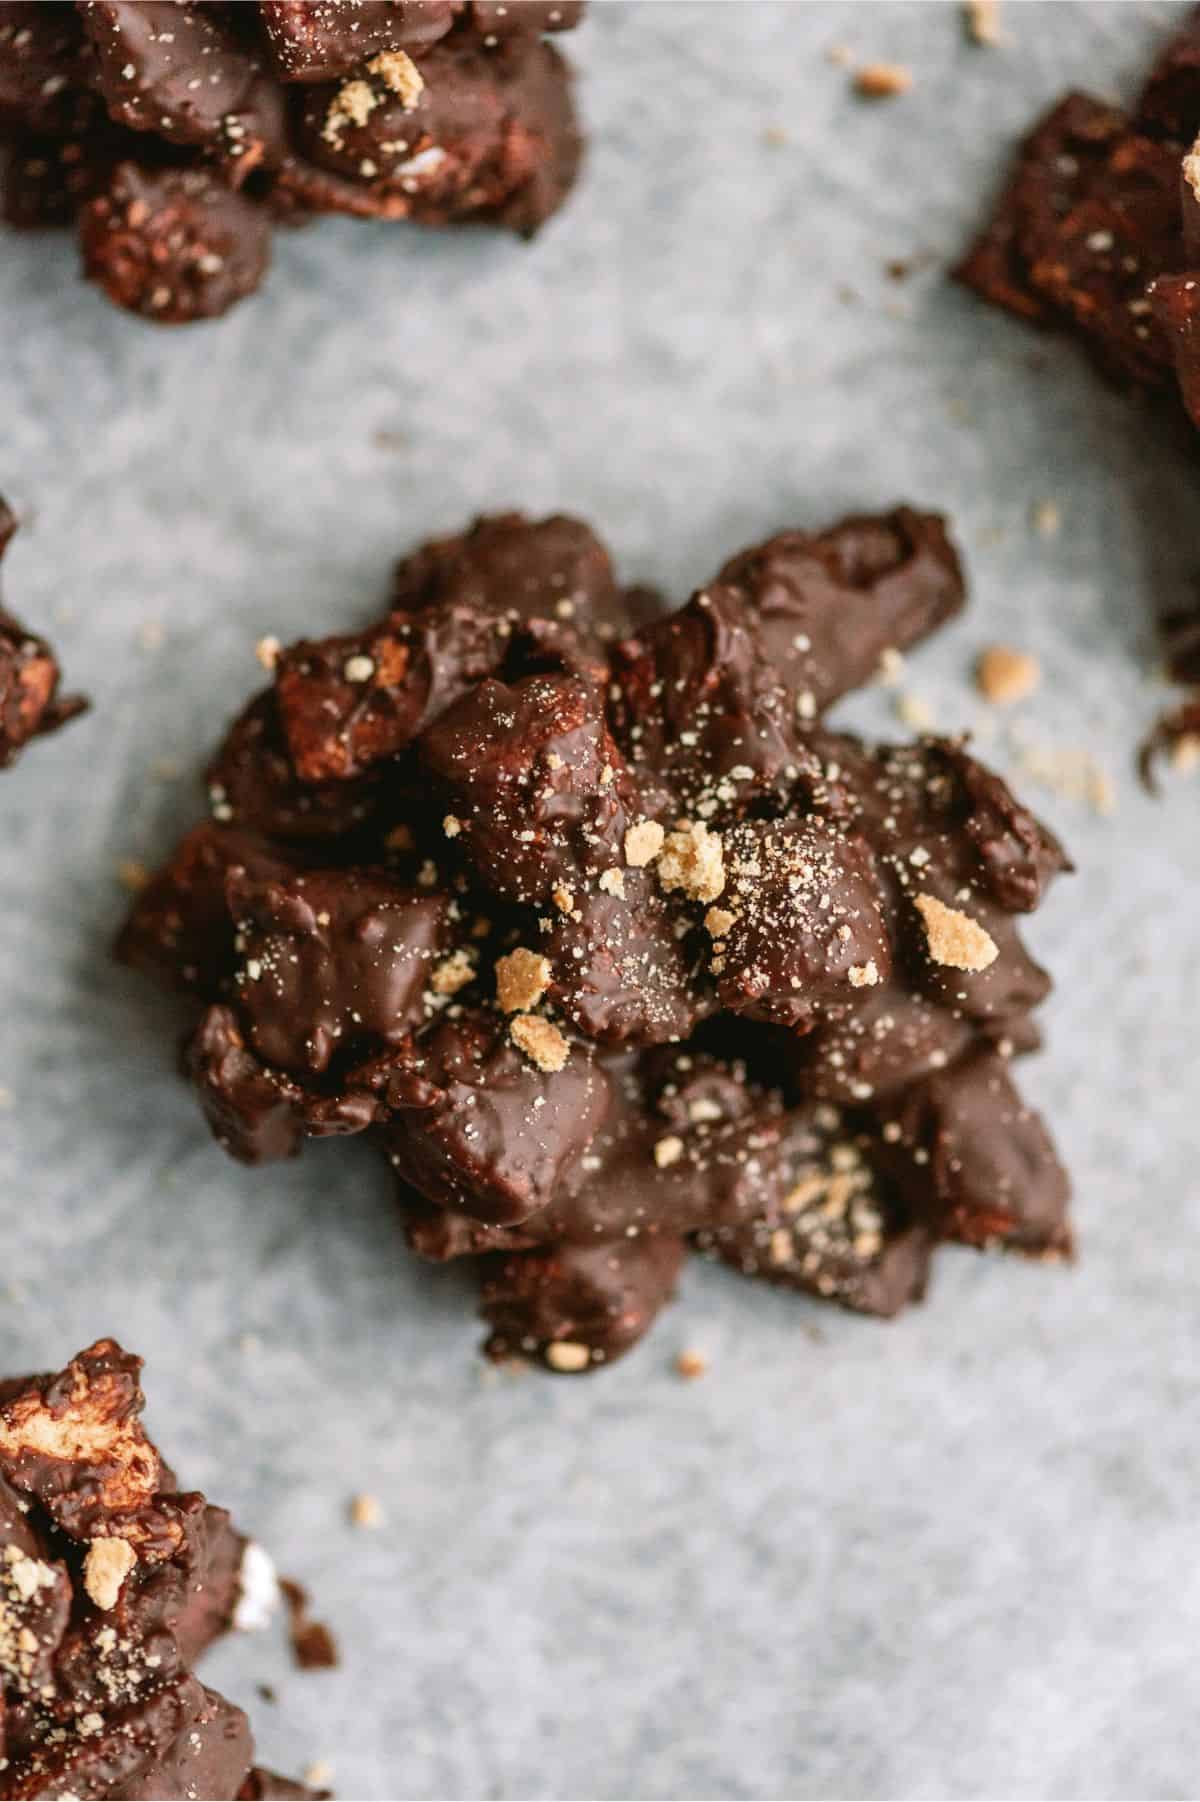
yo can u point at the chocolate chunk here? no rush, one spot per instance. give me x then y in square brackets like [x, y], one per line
[830, 604]
[978, 1164]
[174, 245]
[180, 131]
[467, 133]
[30, 703]
[832, 1224]
[577, 1307]
[612, 945]
[112, 1582]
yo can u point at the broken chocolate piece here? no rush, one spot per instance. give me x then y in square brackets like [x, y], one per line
[30, 703]
[112, 1582]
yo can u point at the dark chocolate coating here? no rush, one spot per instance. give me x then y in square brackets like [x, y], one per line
[178, 131]
[112, 1582]
[30, 703]
[613, 946]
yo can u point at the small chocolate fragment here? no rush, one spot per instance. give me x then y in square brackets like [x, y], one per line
[30, 703]
[174, 245]
[112, 1582]
[588, 919]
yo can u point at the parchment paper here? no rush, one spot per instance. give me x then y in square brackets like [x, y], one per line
[955, 1556]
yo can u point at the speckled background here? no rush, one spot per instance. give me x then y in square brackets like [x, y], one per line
[950, 1557]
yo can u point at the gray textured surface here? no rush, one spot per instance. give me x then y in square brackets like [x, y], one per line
[951, 1557]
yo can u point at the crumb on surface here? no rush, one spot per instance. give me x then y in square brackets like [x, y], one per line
[267, 651]
[882, 81]
[692, 860]
[643, 842]
[522, 978]
[1004, 676]
[365, 1511]
[982, 20]
[541, 1041]
[1185, 753]
[318, 1773]
[864, 976]
[1046, 517]
[108, 1563]
[914, 712]
[668, 1150]
[691, 1364]
[453, 973]
[567, 1355]
[397, 71]
[953, 937]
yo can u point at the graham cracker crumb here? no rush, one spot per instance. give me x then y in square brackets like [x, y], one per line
[454, 973]
[839, 55]
[781, 1246]
[365, 1511]
[353, 104]
[522, 978]
[643, 843]
[541, 1042]
[451, 825]
[613, 882]
[692, 860]
[691, 1364]
[1185, 753]
[1046, 518]
[718, 921]
[267, 651]
[318, 1773]
[563, 899]
[567, 1355]
[1069, 771]
[131, 874]
[108, 1563]
[668, 1151]
[954, 938]
[881, 81]
[915, 713]
[775, 137]
[864, 976]
[982, 18]
[1004, 676]
[398, 72]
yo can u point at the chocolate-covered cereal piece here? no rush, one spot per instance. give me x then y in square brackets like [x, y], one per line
[1096, 230]
[30, 703]
[112, 1582]
[589, 920]
[178, 132]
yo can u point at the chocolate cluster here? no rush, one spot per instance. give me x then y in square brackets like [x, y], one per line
[177, 133]
[112, 1582]
[29, 699]
[616, 949]
[1098, 229]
